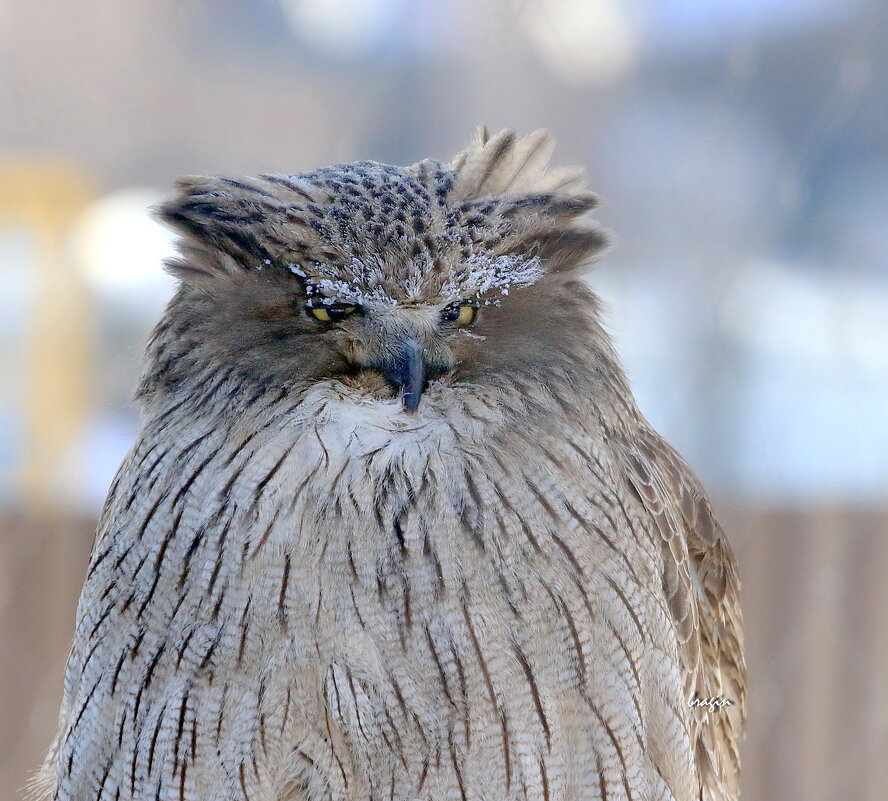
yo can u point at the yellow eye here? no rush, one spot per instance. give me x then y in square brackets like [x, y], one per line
[332, 313]
[320, 313]
[466, 315]
[461, 314]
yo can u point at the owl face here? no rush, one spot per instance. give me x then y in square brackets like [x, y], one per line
[274, 324]
[407, 345]
[389, 280]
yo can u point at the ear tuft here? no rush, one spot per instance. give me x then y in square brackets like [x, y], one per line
[569, 249]
[504, 164]
[230, 226]
[535, 210]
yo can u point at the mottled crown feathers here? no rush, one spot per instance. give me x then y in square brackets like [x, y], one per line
[496, 198]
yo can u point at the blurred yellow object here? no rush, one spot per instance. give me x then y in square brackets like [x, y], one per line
[44, 199]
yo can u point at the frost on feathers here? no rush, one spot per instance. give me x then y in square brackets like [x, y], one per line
[484, 274]
[363, 285]
[365, 288]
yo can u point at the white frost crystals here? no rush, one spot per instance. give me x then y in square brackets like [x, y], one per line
[334, 289]
[362, 285]
[485, 273]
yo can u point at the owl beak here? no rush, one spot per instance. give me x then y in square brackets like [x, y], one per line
[406, 370]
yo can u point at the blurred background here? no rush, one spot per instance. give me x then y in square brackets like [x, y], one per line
[741, 151]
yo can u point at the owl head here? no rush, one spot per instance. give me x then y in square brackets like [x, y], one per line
[392, 280]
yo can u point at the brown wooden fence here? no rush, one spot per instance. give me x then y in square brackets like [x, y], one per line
[815, 598]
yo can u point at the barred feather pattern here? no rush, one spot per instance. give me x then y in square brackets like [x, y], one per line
[299, 592]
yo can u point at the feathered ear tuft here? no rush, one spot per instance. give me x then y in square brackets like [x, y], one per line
[230, 226]
[534, 210]
[215, 227]
[567, 249]
[504, 164]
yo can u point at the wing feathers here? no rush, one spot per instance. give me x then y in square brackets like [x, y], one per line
[700, 580]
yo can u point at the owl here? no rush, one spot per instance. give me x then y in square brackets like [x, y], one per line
[394, 526]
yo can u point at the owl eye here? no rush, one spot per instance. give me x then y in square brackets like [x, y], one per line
[331, 313]
[460, 313]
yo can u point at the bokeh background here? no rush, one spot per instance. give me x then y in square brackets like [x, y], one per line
[741, 151]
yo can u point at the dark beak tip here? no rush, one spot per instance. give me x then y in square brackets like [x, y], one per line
[411, 401]
[407, 372]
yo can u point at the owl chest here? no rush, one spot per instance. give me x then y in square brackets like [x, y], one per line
[427, 616]
[409, 650]
[424, 625]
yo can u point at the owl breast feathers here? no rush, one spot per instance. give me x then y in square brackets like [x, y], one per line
[394, 527]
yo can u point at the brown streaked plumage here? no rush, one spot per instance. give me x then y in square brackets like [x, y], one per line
[394, 527]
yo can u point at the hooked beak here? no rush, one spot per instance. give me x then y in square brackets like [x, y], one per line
[406, 370]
